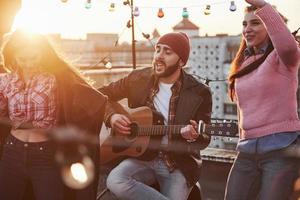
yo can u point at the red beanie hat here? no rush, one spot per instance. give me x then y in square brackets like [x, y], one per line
[178, 42]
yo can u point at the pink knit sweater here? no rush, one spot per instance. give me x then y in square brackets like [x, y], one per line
[266, 98]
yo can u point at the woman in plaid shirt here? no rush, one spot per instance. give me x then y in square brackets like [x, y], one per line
[38, 93]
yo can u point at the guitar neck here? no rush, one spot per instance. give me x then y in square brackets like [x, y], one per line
[221, 129]
[157, 130]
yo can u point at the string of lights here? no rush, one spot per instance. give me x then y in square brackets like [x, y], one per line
[113, 4]
[190, 6]
[136, 9]
[135, 12]
[105, 59]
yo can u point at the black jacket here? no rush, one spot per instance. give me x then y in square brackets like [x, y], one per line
[84, 107]
[195, 102]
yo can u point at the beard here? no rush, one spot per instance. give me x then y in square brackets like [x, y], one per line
[169, 70]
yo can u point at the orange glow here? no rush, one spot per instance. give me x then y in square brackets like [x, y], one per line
[72, 19]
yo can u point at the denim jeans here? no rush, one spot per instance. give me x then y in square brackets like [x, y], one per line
[29, 162]
[132, 179]
[267, 176]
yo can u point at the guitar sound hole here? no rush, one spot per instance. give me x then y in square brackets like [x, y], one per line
[133, 131]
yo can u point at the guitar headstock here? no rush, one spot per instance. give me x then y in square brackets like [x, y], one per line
[226, 128]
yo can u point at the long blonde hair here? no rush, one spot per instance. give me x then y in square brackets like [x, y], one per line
[50, 62]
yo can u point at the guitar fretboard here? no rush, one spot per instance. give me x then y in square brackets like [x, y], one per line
[224, 129]
[159, 130]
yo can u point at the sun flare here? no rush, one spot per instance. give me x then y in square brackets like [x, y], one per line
[27, 19]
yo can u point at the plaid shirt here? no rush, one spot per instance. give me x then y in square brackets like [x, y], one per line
[173, 100]
[171, 116]
[34, 101]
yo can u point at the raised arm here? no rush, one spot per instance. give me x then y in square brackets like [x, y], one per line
[283, 41]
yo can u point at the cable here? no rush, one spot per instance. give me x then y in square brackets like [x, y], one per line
[207, 80]
[188, 6]
[145, 35]
[102, 193]
[109, 53]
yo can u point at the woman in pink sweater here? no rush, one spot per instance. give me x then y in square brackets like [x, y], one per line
[263, 83]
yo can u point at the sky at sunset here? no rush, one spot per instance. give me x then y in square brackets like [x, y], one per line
[72, 19]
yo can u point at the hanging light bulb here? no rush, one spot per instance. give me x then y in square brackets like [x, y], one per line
[136, 11]
[64, 1]
[72, 156]
[160, 13]
[112, 7]
[146, 35]
[77, 168]
[78, 175]
[88, 4]
[185, 13]
[79, 172]
[126, 2]
[232, 6]
[107, 65]
[207, 10]
[128, 24]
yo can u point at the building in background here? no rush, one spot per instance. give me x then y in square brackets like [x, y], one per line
[87, 53]
[210, 59]
[188, 27]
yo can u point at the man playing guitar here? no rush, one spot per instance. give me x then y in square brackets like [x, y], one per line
[181, 100]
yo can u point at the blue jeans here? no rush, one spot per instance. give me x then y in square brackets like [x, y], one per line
[132, 179]
[267, 176]
[22, 162]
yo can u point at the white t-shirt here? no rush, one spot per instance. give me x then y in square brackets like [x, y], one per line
[161, 103]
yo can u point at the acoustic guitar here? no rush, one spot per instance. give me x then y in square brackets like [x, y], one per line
[146, 124]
